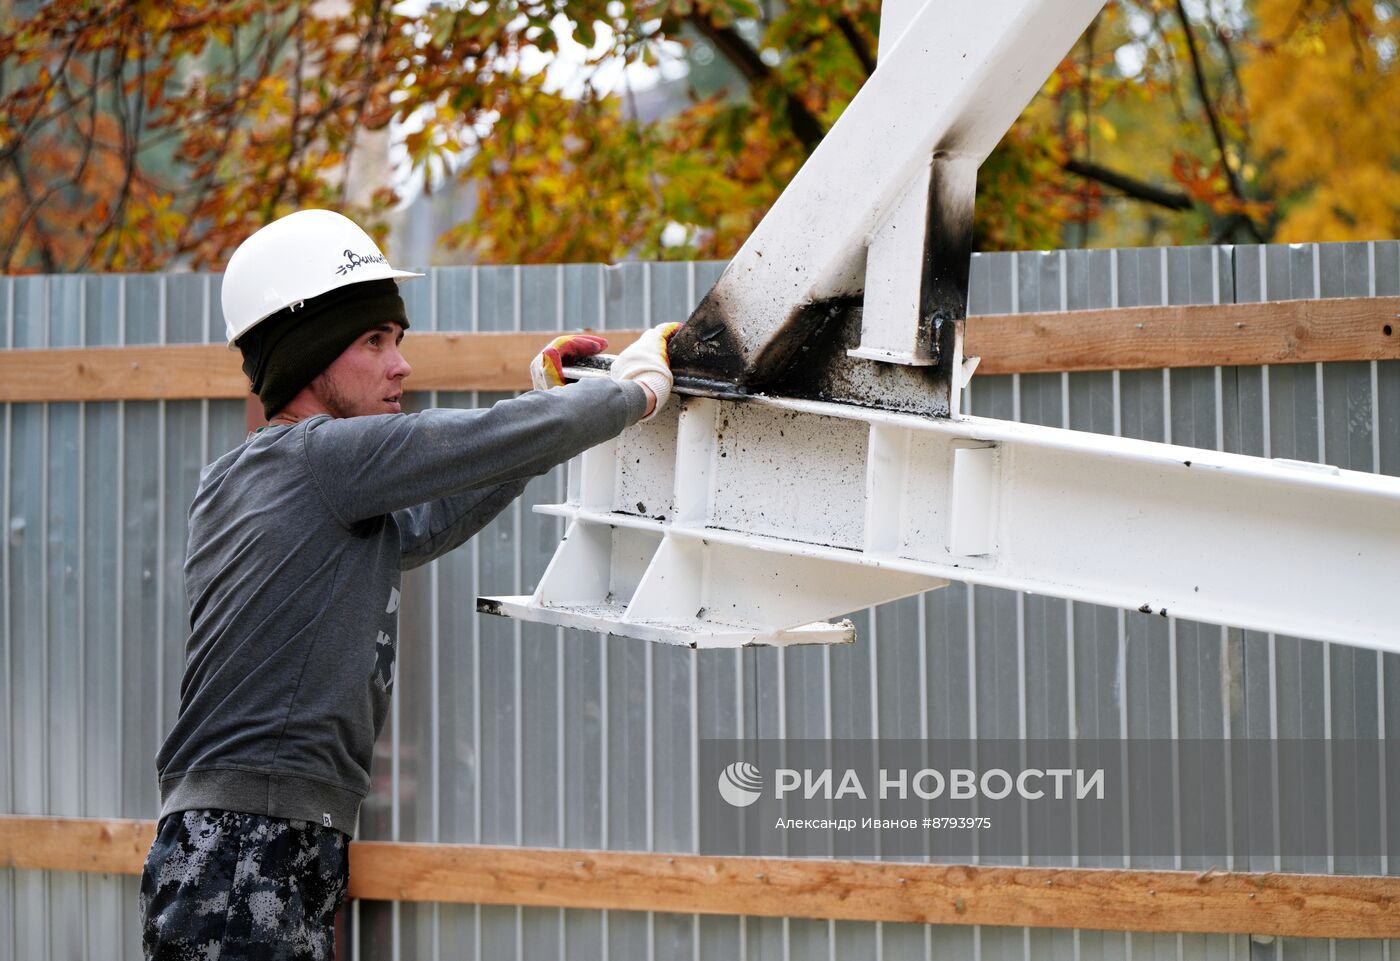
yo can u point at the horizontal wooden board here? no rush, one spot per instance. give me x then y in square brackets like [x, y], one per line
[171, 372]
[1112, 900]
[193, 371]
[1301, 905]
[106, 846]
[1203, 335]
[1130, 338]
[483, 361]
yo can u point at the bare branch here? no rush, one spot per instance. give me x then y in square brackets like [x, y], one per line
[1086, 94]
[294, 131]
[75, 179]
[1227, 51]
[230, 127]
[1203, 92]
[119, 99]
[737, 51]
[858, 45]
[40, 118]
[1358, 43]
[131, 142]
[46, 255]
[1175, 70]
[1136, 189]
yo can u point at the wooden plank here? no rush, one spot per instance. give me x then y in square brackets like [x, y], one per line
[192, 371]
[106, 846]
[1205, 335]
[169, 372]
[1302, 905]
[1112, 900]
[483, 361]
[1130, 338]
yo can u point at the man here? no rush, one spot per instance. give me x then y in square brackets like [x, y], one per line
[297, 540]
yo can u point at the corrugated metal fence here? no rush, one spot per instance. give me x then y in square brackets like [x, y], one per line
[512, 733]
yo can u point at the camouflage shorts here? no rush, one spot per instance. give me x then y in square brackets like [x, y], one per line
[219, 885]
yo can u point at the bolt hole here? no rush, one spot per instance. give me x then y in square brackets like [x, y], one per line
[1386, 330]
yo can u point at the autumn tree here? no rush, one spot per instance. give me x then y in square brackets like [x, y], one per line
[142, 135]
[1326, 87]
[137, 135]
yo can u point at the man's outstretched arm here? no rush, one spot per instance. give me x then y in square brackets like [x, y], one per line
[428, 531]
[368, 466]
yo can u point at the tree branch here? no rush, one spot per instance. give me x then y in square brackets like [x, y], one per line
[293, 147]
[737, 51]
[1173, 72]
[39, 118]
[858, 45]
[46, 257]
[131, 142]
[273, 50]
[230, 126]
[89, 140]
[1216, 132]
[1086, 95]
[1227, 227]
[1136, 189]
[120, 103]
[1231, 64]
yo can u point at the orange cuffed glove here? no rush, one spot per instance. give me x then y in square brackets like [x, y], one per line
[547, 369]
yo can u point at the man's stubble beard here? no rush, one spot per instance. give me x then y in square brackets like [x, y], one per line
[332, 398]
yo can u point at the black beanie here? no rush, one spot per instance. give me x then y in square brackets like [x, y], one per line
[288, 350]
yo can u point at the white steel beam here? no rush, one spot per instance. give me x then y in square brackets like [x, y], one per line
[723, 523]
[948, 88]
[729, 521]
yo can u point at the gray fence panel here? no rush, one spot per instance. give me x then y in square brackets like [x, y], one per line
[997, 640]
[61, 526]
[499, 927]
[511, 733]
[623, 694]
[8, 773]
[102, 675]
[672, 702]
[541, 308]
[1292, 408]
[1384, 261]
[1144, 649]
[584, 672]
[27, 614]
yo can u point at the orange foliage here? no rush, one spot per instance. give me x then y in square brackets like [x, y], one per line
[144, 135]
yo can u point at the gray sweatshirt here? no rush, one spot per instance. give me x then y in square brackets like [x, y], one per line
[297, 541]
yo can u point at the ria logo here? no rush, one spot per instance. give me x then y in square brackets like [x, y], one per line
[740, 784]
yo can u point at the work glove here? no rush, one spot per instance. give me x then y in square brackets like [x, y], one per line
[547, 369]
[647, 363]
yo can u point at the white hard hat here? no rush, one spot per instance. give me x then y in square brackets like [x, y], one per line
[293, 259]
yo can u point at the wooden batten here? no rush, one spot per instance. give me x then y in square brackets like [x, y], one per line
[1129, 338]
[194, 371]
[1207, 335]
[1301, 905]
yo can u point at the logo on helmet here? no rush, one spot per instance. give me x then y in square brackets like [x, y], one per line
[353, 260]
